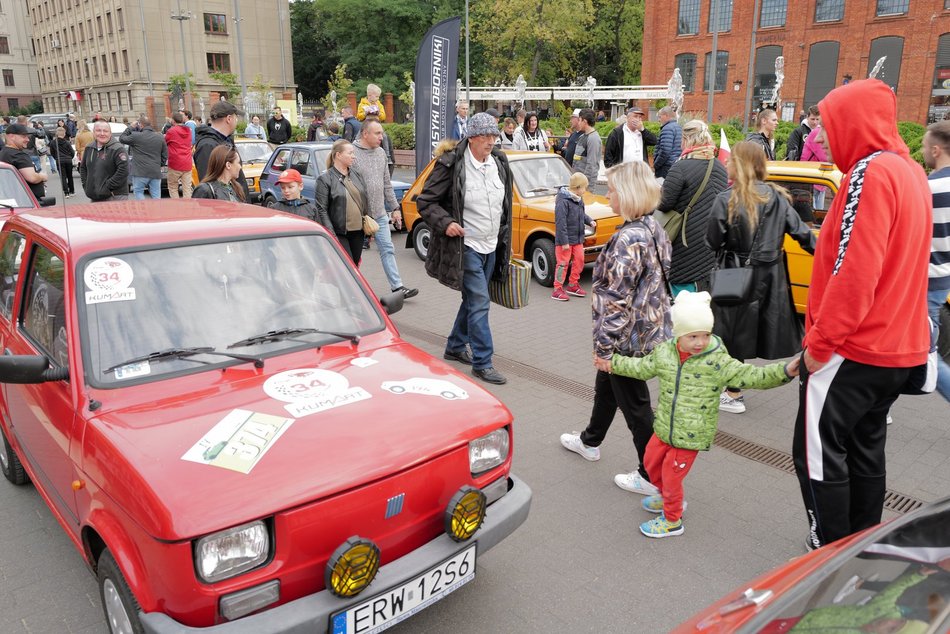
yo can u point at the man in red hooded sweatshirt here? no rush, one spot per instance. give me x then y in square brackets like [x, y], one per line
[866, 324]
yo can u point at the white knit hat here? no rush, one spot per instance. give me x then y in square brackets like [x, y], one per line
[691, 312]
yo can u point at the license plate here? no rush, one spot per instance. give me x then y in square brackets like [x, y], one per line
[390, 607]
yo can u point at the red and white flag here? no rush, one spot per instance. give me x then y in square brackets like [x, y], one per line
[74, 95]
[724, 149]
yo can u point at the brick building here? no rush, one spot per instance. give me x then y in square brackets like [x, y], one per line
[824, 43]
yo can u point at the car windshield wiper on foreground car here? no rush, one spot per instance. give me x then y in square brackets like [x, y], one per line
[183, 353]
[286, 333]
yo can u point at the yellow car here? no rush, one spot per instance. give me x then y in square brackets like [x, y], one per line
[254, 154]
[537, 177]
[812, 185]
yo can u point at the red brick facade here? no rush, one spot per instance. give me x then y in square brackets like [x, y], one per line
[920, 27]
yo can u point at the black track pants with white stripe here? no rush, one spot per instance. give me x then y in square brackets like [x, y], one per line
[838, 446]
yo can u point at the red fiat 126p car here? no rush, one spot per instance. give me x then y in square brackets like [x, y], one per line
[199, 392]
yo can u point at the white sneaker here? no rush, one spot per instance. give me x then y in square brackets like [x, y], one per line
[572, 442]
[732, 405]
[635, 483]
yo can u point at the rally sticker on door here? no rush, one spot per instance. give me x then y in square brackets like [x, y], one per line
[239, 440]
[311, 390]
[108, 280]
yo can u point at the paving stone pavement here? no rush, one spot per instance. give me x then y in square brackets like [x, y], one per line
[579, 563]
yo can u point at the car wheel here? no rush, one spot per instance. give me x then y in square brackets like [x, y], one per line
[543, 261]
[420, 239]
[118, 603]
[269, 202]
[10, 464]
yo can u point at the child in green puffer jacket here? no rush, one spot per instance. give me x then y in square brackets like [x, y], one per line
[693, 367]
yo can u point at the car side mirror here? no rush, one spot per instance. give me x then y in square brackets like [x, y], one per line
[47, 201]
[29, 368]
[392, 303]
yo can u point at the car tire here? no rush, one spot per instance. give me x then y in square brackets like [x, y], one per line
[269, 202]
[420, 239]
[543, 261]
[118, 603]
[10, 464]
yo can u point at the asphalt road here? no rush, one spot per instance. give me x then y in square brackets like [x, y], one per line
[579, 563]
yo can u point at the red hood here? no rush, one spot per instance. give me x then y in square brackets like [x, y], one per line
[860, 118]
[139, 448]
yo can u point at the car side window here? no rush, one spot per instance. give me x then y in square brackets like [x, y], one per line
[281, 161]
[43, 316]
[300, 161]
[11, 254]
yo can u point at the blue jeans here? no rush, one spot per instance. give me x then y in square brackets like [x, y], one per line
[387, 254]
[36, 162]
[471, 323]
[935, 299]
[139, 183]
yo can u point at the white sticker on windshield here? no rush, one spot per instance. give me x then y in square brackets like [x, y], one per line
[363, 362]
[239, 440]
[311, 390]
[132, 370]
[430, 387]
[109, 280]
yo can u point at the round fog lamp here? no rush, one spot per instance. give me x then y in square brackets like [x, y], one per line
[465, 513]
[352, 567]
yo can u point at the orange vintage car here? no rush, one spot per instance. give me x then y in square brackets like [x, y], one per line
[537, 177]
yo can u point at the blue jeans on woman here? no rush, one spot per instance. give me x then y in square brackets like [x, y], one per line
[471, 323]
[936, 299]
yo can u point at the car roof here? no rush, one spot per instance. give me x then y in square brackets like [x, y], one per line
[804, 169]
[90, 227]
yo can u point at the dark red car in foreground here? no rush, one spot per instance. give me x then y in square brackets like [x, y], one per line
[203, 393]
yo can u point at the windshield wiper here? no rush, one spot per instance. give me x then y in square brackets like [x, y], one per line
[183, 353]
[285, 333]
[538, 190]
[6, 206]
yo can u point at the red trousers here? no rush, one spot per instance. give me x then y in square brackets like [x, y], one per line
[573, 256]
[667, 466]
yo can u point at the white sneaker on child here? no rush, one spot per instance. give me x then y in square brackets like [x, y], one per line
[635, 483]
[731, 405]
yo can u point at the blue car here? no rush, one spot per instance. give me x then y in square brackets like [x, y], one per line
[310, 159]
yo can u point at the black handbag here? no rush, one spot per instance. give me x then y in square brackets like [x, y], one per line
[733, 286]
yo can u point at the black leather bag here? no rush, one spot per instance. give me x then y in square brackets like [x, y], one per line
[732, 286]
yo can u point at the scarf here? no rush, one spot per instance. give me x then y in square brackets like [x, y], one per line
[705, 152]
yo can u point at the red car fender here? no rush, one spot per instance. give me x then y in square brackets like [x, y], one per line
[124, 550]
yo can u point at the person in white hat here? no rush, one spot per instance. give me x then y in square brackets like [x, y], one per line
[692, 367]
[567, 149]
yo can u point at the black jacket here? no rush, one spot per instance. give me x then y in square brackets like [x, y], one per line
[761, 139]
[567, 151]
[62, 151]
[215, 190]
[149, 151]
[693, 261]
[613, 153]
[351, 129]
[330, 199]
[441, 203]
[767, 327]
[300, 207]
[795, 143]
[104, 171]
[278, 131]
[206, 139]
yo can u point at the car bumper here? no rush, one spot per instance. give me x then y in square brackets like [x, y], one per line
[311, 614]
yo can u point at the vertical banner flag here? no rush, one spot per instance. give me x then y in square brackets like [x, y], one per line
[436, 69]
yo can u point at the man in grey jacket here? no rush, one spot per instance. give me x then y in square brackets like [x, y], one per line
[372, 164]
[149, 154]
[587, 152]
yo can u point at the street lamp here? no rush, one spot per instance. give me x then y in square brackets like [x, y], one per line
[181, 17]
[237, 26]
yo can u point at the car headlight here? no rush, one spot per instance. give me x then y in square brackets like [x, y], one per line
[489, 451]
[232, 551]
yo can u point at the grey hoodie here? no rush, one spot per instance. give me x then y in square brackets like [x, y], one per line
[372, 164]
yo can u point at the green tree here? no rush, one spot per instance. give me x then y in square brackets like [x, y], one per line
[315, 54]
[229, 83]
[341, 84]
[180, 83]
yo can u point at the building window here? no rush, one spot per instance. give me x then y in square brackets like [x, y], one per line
[773, 13]
[115, 65]
[8, 77]
[109, 21]
[119, 20]
[216, 23]
[13, 103]
[725, 14]
[822, 74]
[99, 25]
[125, 61]
[105, 67]
[893, 7]
[829, 10]
[129, 95]
[4, 45]
[764, 84]
[686, 62]
[722, 64]
[891, 47]
[688, 23]
[219, 62]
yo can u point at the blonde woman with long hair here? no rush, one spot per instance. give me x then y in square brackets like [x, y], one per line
[749, 222]
[631, 310]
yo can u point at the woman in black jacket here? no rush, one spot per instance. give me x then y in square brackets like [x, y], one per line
[692, 259]
[222, 182]
[63, 153]
[749, 221]
[341, 197]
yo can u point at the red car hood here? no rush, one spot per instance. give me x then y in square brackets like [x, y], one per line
[135, 453]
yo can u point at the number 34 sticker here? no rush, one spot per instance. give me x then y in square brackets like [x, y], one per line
[108, 280]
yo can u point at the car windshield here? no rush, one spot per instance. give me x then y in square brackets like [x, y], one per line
[12, 191]
[899, 583]
[541, 175]
[192, 305]
[254, 152]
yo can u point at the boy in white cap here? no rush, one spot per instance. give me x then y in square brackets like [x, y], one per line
[693, 367]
